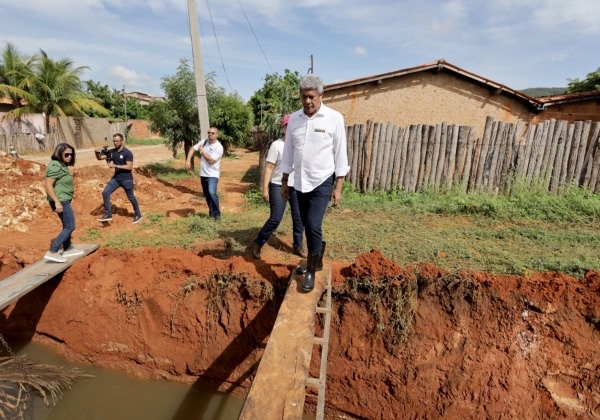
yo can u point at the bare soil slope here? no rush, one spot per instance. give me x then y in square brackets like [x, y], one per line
[410, 342]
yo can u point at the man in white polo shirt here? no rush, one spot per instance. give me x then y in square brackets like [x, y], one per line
[315, 149]
[211, 151]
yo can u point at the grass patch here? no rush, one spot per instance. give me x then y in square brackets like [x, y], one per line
[496, 234]
[168, 173]
[145, 142]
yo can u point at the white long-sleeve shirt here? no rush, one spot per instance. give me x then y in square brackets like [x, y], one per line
[315, 148]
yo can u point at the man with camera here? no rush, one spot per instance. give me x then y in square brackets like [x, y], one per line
[121, 159]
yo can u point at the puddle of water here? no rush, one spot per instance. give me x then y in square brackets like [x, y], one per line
[111, 395]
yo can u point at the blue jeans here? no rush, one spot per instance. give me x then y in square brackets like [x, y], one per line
[277, 206]
[313, 206]
[209, 190]
[110, 188]
[67, 217]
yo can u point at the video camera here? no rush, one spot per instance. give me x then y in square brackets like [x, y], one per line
[107, 153]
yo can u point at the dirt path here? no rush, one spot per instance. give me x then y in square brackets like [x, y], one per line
[27, 219]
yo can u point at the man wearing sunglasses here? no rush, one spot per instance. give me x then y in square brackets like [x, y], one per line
[121, 159]
[211, 151]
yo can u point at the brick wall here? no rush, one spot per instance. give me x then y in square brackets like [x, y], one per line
[576, 111]
[425, 98]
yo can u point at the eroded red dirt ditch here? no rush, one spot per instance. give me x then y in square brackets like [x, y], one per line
[410, 342]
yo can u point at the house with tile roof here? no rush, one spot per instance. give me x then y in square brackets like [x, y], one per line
[439, 92]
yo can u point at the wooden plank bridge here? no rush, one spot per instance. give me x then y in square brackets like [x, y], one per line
[279, 387]
[22, 282]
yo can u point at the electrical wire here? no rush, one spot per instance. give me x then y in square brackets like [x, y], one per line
[218, 47]
[255, 37]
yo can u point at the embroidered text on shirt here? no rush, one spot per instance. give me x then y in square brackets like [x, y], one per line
[319, 130]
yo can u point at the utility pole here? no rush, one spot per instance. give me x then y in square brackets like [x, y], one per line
[125, 107]
[198, 69]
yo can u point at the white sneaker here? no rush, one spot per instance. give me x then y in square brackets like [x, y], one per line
[54, 256]
[72, 251]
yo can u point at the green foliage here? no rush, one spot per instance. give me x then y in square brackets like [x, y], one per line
[591, 82]
[114, 101]
[277, 97]
[176, 118]
[234, 120]
[53, 87]
[544, 91]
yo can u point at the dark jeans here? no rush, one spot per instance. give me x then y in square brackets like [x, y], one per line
[67, 217]
[277, 205]
[209, 189]
[313, 206]
[110, 188]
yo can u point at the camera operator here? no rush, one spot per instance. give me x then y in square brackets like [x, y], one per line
[121, 159]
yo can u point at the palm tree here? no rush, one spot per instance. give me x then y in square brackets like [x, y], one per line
[15, 71]
[56, 90]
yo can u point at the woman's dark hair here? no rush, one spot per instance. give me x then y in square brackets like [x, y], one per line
[58, 154]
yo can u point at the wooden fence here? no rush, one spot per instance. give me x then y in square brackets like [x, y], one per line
[554, 153]
[28, 143]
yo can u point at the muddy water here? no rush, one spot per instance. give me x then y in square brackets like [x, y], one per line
[110, 395]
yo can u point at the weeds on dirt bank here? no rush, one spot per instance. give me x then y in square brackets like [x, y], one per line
[218, 284]
[392, 302]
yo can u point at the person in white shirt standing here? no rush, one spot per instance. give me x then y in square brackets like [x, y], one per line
[271, 194]
[315, 149]
[211, 151]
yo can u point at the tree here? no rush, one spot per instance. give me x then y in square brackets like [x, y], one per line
[52, 88]
[56, 90]
[15, 72]
[234, 120]
[176, 118]
[591, 82]
[277, 97]
[229, 114]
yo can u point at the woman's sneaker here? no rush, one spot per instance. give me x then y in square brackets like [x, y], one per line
[54, 256]
[72, 251]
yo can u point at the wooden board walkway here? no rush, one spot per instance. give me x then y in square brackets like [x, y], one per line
[278, 389]
[22, 282]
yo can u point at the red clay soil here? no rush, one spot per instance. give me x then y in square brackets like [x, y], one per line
[406, 342]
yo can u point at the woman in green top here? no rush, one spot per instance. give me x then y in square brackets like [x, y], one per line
[60, 190]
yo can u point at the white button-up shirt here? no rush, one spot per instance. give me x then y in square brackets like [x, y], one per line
[315, 148]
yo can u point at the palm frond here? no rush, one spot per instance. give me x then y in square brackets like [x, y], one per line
[19, 374]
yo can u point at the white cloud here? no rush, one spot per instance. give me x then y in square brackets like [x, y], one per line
[360, 50]
[130, 78]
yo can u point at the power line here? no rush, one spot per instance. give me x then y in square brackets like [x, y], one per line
[253, 33]
[218, 47]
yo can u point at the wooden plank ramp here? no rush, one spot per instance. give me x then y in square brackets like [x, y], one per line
[278, 390]
[22, 282]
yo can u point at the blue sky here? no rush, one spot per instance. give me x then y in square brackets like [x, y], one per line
[135, 43]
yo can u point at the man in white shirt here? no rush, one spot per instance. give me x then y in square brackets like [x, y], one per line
[211, 151]
[315, 149]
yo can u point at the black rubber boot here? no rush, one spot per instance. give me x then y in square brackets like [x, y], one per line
[301, 270]
[309, 277]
